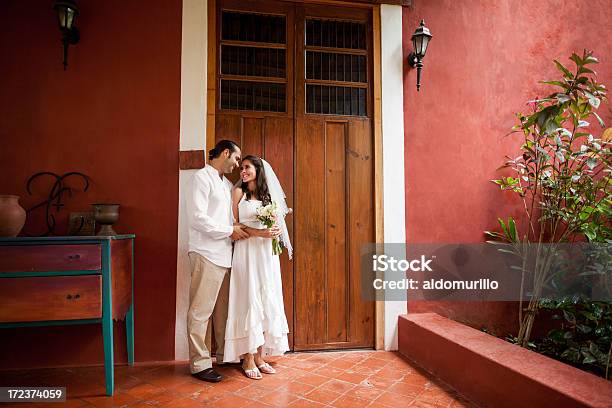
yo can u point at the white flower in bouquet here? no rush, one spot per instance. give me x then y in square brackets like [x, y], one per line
[267, 215]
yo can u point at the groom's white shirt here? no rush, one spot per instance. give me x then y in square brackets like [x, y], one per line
[211, 220]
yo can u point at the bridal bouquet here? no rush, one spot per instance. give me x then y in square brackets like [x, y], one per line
[267, 216]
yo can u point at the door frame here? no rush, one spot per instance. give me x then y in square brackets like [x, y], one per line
[211, 100]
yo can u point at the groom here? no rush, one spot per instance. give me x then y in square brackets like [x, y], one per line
[211, 232]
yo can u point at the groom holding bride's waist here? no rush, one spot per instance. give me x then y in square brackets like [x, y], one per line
[252, 292]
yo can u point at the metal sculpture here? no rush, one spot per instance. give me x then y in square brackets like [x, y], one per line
[55, 196]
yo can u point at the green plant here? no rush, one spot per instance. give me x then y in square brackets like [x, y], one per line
[584, 338]
[562, 177]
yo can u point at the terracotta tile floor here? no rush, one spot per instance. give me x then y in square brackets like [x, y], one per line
[336, 379]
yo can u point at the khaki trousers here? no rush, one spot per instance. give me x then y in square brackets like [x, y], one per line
[208, 297]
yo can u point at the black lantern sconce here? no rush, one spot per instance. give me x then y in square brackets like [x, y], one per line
[420, 41]
[67, 12]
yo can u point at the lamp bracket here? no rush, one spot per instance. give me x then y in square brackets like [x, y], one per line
[412, 59]
[74, 36]
[71, 36]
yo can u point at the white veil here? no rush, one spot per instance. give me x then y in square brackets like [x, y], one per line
[278, 196]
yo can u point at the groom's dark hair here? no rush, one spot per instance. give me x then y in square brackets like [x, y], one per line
[220, 147]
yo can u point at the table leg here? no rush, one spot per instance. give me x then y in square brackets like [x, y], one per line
[109, 359]
[129, 329]
[107, 319]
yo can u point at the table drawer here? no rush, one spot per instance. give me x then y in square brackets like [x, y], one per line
[50, 298]
[41, 258]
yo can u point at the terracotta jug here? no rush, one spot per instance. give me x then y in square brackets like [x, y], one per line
[12, 216]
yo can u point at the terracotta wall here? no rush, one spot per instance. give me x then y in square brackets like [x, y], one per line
[114, 115]
[483, 64]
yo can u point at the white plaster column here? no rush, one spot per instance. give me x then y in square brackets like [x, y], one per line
[394, 191]
[193, 137]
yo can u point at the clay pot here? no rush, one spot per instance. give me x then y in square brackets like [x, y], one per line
[106, 215]
[12, 216]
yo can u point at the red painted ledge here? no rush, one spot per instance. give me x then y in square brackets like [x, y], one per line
[493, 372]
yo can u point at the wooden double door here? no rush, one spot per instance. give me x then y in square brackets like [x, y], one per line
[294, 86]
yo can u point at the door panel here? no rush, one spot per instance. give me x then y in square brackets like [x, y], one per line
[325, 147]
[361, 225]
[310, 293]
[253, 136]
[278, 151]
[336, 243]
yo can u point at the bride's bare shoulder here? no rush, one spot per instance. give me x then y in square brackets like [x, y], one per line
[237, 193]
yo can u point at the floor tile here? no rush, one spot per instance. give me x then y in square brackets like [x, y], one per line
[278, 398]
[337, 386]
[321, 359]
[313, 379]
[297, 388]
[328, 371]
[184, 402]
[163, 398]
[352, 377]
[305, 365]
[289, 373]
[425, 404]
[406, 389]
[190, 387]
[231, 401]
[438, 397]
[392, 399]
[381, 383]
[347, 401]
[322, 396]
[341, 364]
[144, 391]
[366, 392]
[272, 382]
[302, 403]
[417, 377]
[253, 392]
[117, 400]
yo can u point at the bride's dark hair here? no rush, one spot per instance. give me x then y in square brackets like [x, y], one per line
[261, 185]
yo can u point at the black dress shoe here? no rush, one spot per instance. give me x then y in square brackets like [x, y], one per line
[209, 375]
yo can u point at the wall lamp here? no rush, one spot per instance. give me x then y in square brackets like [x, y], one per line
[67, 11]
[420, 41]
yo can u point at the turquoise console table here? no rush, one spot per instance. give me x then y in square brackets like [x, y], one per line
[52, 281]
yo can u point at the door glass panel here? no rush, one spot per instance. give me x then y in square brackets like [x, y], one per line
[253, 45]
[336, 100]
[253, 96]
[336, 34]
[336, 51]
[251, 27]
[252, 61]
[336, 66]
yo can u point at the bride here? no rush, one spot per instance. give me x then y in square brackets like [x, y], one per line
[256, 322]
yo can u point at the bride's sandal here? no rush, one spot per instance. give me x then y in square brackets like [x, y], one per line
[266, 369]
[252, 373]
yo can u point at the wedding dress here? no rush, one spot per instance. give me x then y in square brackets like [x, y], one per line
[256, 313]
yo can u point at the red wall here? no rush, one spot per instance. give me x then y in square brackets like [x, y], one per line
[484, 62]
[113, 115]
